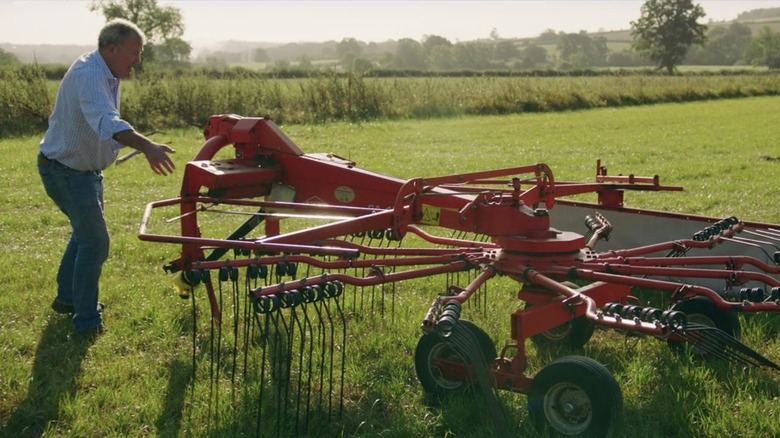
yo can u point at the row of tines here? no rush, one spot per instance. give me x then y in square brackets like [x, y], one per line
[672, 318]
[293, 298]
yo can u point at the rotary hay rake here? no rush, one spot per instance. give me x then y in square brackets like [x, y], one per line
[338, 238]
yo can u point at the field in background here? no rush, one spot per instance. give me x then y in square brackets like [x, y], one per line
[135, 379]
[154, 102]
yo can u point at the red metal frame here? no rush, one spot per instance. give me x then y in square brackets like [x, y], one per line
[512, 206]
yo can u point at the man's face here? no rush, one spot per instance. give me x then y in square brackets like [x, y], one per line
[121, 58]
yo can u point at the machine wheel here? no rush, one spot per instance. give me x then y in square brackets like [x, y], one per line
[575, 333]
[701, 310]
[430, 347]
[575, 396]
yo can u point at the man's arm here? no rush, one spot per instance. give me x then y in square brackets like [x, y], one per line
[156, 153]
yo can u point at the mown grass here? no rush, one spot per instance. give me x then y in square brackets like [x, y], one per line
[135, 380]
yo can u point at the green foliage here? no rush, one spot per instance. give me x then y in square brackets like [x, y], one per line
[666, 30]
[154, 102]
[725, 46]
[579, 51]
[7, 58]
[764, 49]
[162, 25]
[409, 55]
[25, 100]
[157, 100]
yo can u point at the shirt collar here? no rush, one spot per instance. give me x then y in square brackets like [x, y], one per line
[96, 59]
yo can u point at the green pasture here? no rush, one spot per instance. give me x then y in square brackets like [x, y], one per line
[136, 379]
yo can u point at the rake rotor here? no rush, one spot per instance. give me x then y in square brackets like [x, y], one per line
[323, 242]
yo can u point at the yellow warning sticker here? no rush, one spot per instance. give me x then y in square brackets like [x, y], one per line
[430, 215]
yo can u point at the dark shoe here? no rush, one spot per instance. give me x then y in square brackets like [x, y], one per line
[91, 333]
[67, 309]
[60, 307]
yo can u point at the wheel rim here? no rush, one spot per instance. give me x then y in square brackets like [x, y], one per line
[699, 318]
[558, 333]
[442, 351]
[567, 408]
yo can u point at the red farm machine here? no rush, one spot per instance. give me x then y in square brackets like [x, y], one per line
[314, 229]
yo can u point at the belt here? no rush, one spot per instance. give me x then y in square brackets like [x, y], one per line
[45, 161]
[43, 158]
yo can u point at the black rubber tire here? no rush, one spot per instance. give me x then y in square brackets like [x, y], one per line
[701, 310]
[575, 333]
[575, 396]
[430, 347]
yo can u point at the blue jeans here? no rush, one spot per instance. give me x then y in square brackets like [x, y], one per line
[80, 196]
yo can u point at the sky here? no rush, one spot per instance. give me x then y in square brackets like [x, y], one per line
[211, 21]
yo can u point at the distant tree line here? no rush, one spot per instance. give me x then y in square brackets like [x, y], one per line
[666, 35]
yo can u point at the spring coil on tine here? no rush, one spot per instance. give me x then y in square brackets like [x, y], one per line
[612, 309]
[715, 229]
[228, 273]
[675, 319]
[266, 304]
[292, 298]
[644, 314]
[776, 293]
[650, 314]
[630, 312]
[755, 294]
[592, 223]
[254, 272]
[449, 317]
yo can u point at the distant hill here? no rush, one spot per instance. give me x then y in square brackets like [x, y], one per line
[46, 53]
[242, 51]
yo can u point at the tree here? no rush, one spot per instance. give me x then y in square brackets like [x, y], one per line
[431, 42]
[764, 49]
[7, 58]
[259, 54]
[163, 27]
[442, 58]
[581, 51]
[533, 56]
[666, 30]
[506, 51]
[472, 55]
[725, 45]
[410, 55]
[348, 50]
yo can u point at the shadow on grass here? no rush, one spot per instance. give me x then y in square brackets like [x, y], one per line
[54, 377]
[169, 421]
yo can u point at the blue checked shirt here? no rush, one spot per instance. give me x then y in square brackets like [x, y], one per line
[85, 117]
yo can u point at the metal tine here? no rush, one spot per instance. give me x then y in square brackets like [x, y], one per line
[263, 331]
[767, 235]
[280, 366]
[749, 242]
[467, 347]
[720, 344]
[301, 347]
[712, 341]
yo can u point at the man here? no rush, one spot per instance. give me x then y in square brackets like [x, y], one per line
[84, 137]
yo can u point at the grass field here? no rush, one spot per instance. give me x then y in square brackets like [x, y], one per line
[135, 380]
